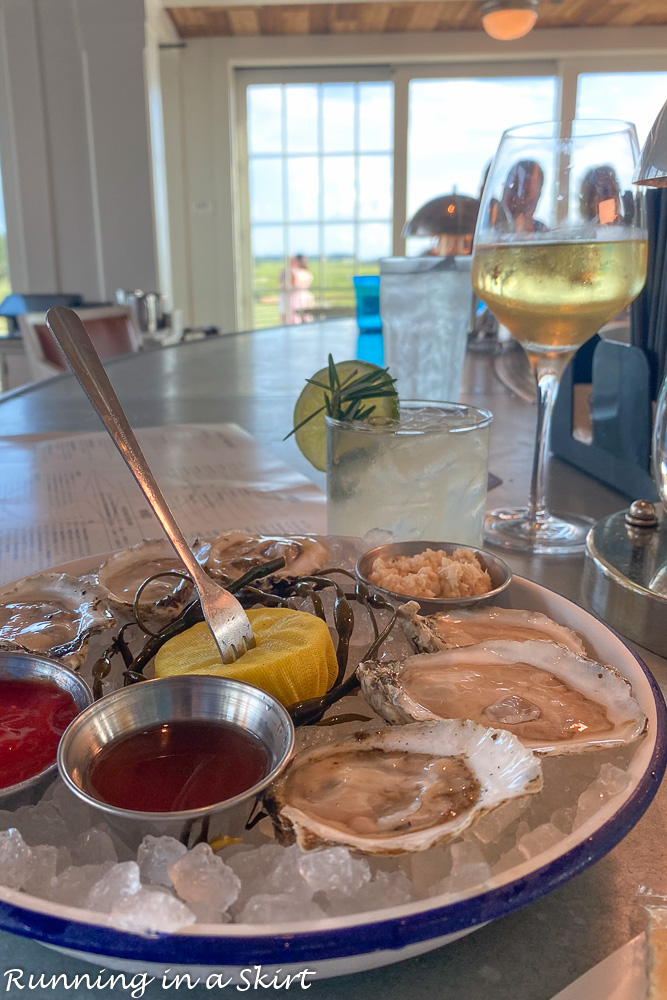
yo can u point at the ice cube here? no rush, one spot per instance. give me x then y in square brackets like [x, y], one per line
[64, 859]
[540, 839]
[334, 869]
[72, 885]
[269, 869]
[43, 867]
[74, 812]
[7, 818]
[114, 887]
[200, 876]
[489, 828]
[207, 913]
[386, 889]
[255, 862]
[93, 847]
[154, 857]
[610, 781]
[511, 710]
[282, 908]
[42, 822]
[14, 859]
[563, 818]
[151, 912]
[469, 871]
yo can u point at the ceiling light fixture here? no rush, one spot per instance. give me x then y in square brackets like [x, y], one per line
[506, 20]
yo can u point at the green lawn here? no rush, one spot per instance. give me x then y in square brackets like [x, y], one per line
[332, 285]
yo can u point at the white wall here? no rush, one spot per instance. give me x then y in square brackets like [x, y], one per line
[74, 146]
[202, 143]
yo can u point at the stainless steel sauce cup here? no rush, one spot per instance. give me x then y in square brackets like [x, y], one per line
[149, 703]
[29, 666]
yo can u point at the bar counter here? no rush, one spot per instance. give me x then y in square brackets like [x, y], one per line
[253, 379]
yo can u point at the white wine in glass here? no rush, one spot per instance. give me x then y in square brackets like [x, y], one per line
[560, 249]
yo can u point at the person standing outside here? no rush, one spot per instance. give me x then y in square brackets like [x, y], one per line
[297, 298]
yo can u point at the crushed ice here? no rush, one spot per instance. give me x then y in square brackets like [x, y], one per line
[166, 887]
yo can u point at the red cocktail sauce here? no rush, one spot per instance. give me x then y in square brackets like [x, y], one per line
[184, 764]
[33, 716]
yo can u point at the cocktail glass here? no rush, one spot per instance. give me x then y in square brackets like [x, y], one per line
[560, 249]
[421, 477]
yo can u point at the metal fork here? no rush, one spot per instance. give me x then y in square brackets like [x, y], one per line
[225, 617]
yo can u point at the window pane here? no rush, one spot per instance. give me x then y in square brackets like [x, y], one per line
[338, 288]
[267, 241]
[339, 241]
[456, 125]
[338, 117]
[268, 263]
[264, 119]
[634, 97]
[301, 112]
[303, 240]
[266, 190]
[376, 117]
[338, 187]
[303, 188]
[375, 187]
[266, 273]
[374, 241]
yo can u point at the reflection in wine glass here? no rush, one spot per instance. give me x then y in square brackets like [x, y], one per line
[559, 250]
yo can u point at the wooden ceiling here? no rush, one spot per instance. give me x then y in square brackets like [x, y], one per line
[420, 15]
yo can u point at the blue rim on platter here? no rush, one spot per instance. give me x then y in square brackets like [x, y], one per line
[363, 935]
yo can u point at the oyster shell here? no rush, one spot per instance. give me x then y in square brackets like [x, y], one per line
[400, 790]
[235, 552]
[53, 614]
[124, 572]
[556, 701]
[466, 628]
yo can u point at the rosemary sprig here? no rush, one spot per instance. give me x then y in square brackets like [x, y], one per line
[344, 399]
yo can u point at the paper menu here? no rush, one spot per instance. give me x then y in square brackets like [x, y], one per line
[68, 497]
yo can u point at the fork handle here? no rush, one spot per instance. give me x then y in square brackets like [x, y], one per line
[84, 361]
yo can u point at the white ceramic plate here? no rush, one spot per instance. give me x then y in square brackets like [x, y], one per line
[365, 941]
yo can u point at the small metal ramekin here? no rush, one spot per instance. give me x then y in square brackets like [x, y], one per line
[498, 570]
[144, 705]
[29, 666]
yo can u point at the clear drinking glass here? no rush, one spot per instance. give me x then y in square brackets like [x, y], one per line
[560, 249]
[423, 476]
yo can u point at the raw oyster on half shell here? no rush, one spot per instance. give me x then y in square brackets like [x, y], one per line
[555, 701]
[124, 572]
[400, 790]
[53, 614]
[466, 628]
[235, 552]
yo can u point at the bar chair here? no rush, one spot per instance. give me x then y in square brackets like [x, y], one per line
[110, 328]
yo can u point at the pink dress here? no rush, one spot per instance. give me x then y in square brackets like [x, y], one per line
[298, 298]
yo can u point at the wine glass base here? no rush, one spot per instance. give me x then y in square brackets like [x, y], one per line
[557, 534]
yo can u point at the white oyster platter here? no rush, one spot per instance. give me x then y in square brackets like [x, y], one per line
[337, 913]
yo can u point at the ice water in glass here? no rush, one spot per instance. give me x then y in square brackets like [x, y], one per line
[421, 477]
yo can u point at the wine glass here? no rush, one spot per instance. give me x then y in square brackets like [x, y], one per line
[560, 249]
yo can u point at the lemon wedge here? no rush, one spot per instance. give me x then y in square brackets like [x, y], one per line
[294, 658]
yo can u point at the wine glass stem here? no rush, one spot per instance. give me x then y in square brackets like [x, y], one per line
[548, 372]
